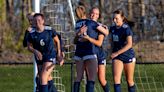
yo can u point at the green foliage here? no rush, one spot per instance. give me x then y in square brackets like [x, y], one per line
[2, 11]
[9, 35]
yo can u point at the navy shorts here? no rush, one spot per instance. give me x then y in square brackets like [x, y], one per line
[125, 59]
[102, 61]
[50, 59]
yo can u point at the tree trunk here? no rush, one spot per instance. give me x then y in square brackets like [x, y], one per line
[130, 11]
[2, 20]
[142, 7]
[10, 11]
[142, 18]
[101, 7]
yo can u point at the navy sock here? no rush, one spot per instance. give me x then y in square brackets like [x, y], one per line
[117, 88]
[131, 88]
[76, 87]
[44, 88]
[106, 87]
[90, 86]
[51, 86]
[38, 85]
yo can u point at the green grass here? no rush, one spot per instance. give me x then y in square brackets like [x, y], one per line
[16, 78]
[19, 78]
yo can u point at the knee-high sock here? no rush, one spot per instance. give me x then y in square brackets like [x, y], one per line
[76, 87]
[117, 88]
[51, 86]
[44, 88]
[37, 84]
[90, 86]
[106, 88]
[131, 88]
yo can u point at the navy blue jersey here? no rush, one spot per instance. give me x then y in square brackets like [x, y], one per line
[26, 38]
[44, 42]
[119, 38]
[80, 23]
[86, 48]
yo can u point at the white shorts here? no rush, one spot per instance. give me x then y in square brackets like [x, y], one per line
[77, 58]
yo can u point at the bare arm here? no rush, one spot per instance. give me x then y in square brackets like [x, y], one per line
[103, 29]
[60, 54]
[57, 41]
[37, 53]
[97, 42]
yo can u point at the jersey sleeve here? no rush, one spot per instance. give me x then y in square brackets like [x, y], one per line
[61, 43]
[96, 24]
[29, 38]
[25, 38]
[128, 32]
[54, 33]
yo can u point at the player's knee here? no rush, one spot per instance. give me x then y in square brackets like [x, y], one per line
[44, 77]
[130, 82]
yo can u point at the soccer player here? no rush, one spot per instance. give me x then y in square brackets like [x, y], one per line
[85, 56]
[31, 25]
[41, 42]
[123, 56]
[101, 57]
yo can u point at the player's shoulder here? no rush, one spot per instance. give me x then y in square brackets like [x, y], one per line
[112, 27]
[33, 29]
[125, 26]
[81, 20]
[48, 27]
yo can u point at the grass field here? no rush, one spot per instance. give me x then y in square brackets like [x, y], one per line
[19, 78]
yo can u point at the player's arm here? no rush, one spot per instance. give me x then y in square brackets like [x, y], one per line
[59, 53]
[37, 53]
[97, 42]
[125, 48]
[103, 29]
[26, 36]
[57, 41]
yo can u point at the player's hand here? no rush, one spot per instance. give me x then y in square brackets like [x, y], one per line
[60, 60]
[63, 54]
[83, 30]
[86, 37]
[38, 54]
[114, 55]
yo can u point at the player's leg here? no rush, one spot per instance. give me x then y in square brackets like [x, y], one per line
[91, 70]
[129, 73]
[102, 77]
[38, 78]
[35, 78]
[117, 66]
[51, 86]
[46, 71]
[79, 71]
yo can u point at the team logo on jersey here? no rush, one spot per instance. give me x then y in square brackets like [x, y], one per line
[115, 38]
[42, 43]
